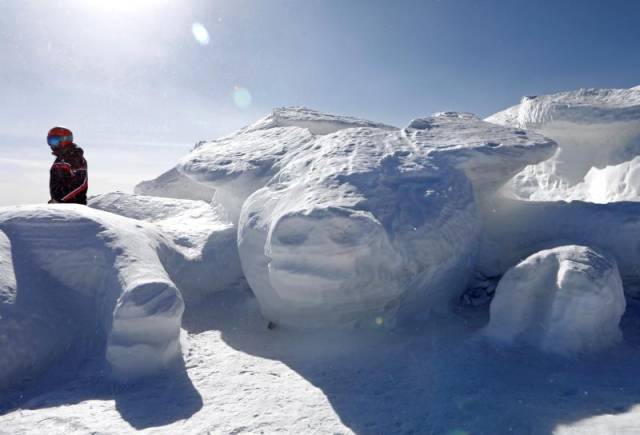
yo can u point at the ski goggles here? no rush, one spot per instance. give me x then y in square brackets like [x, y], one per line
[56, 141]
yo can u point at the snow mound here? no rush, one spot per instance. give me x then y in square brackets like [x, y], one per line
[172, 184]
[564, 300]
[239, 164]
[359, 223]
[598, 131]
[317, 123]
[101, 275]
[206, 243]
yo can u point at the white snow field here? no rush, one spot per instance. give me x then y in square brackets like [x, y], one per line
[334, 222]
[598, 131]
[566, 300]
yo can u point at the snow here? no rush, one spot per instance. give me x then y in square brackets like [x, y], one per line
[363, 222]
[514, 230]
[598, 131]
[243, 378]
[172, 184]
[205, 242]
[565, 300]
[334, 222]
[110, 282]
[239, 164]
[7, 277]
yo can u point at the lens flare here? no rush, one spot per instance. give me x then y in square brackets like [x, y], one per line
[242, 97]
[200, 33]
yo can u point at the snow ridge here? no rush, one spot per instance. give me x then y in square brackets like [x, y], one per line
[598, 131]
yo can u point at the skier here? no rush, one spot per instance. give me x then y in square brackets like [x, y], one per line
[68, 179]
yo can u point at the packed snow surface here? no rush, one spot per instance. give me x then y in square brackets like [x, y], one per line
[85, 271]
[565, 300]
[598, 131]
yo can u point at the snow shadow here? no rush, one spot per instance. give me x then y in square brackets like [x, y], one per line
[77, 370]
[147, 403]
[441, 378]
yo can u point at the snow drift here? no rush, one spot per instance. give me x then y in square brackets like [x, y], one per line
[598, 131]
[564, 300]
[343, 220]
[102, 276]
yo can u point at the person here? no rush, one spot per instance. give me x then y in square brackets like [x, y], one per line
[68, 178]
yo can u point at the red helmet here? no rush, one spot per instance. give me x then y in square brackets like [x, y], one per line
[59, 137]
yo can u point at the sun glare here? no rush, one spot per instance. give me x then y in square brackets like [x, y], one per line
[123, 6]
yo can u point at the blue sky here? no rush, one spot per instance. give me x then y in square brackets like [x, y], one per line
[138, 89]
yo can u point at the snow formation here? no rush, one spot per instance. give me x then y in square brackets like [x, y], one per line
[205, 256]
[100, 275]
[598, 131]
[515, 229]
[173, 184]
[341, 220]
[563, 300]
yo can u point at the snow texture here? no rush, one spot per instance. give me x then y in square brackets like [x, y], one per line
[239, 164]
[172, 184]
[598, 131]
[206, 255]
[343, 220]
[564, 300]
[514, 230]
[101, 274]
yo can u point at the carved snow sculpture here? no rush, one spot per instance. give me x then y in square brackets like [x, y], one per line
[563, 300]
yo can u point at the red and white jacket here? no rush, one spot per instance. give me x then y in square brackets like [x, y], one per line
[68, 179]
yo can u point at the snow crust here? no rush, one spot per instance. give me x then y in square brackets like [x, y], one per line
[343, 220]
[598, 131]
[111, 284]
[564, 300]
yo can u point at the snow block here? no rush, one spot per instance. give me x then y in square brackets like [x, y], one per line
[204, 258]
[563, 300]
[106, 272]
[239, 164]
[357, 224]
[598, 131]
[514, 230]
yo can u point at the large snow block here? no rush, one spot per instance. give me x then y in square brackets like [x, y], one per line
[106, 271]
[514, 230]
[563, 300]
[237, 165]
[598, 131]
[204, 258]
[366, 222]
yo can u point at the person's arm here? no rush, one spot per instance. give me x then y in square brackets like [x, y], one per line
[58, 181]
[78, 180]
